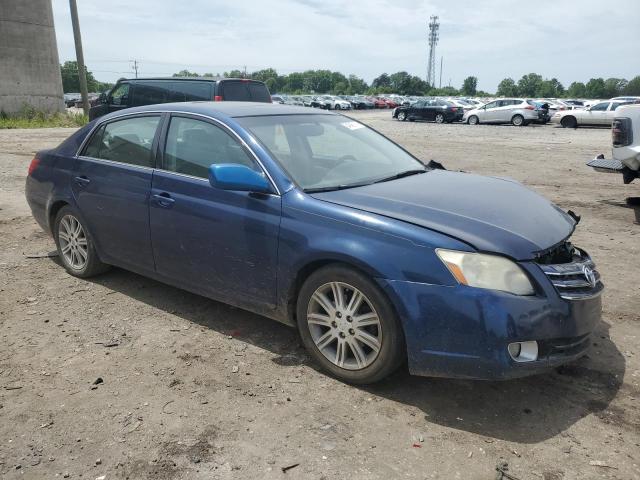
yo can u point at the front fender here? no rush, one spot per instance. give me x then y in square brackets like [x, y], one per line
[313, 231]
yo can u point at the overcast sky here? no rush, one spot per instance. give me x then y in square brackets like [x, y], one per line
[491, 39]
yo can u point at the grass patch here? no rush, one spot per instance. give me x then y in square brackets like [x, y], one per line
[29, 117]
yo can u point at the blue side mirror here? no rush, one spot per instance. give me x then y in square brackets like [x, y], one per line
[232, 176]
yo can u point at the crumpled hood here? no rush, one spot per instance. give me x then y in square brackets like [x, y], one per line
[491, 214]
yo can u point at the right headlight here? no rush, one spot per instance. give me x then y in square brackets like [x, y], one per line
[486, 271]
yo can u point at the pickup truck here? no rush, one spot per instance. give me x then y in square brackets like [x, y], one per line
[625, 139]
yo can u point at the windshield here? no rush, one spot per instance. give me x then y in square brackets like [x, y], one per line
[326, 152]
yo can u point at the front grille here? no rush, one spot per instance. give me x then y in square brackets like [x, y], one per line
[577, 279]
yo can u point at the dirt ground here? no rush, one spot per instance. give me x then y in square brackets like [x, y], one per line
[194, 389]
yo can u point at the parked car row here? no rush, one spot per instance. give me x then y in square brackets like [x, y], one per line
[516, 111]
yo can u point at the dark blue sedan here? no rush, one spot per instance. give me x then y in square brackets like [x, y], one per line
[316, 220]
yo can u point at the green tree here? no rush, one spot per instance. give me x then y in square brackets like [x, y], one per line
[595, 88]
[357, 85]
[443, 92]
[469, 86]
[550, 89]
[185, 73]
[507, 88]
[614, 87]
[529, 84]
[633, 87]
[382, 81]
[577, 90]
[71, 81]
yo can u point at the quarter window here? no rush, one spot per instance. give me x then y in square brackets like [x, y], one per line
[126, 141]
[193, 145]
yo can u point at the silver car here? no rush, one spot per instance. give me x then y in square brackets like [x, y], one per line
[517, 111]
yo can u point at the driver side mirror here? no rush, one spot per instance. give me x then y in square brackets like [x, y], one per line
[233, 176]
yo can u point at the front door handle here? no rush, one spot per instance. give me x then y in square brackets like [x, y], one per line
[164, 200]
[82, 181]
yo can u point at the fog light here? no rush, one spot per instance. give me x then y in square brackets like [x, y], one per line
[523, 351]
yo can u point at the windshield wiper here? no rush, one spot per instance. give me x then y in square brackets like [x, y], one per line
[334, 187]
[406, 173]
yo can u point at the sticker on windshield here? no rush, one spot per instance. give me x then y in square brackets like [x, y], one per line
[352, 125]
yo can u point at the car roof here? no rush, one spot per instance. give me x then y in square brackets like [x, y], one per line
[187, 79]
[224, 109]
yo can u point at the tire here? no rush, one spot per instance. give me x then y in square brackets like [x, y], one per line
[402, 116]
[517, 120]
[439, 118]
[76, 249]
[569, 122]
[473, 120]
[357, 355]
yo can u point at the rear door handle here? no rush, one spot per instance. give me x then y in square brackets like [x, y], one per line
[164, 200]
[82, 181]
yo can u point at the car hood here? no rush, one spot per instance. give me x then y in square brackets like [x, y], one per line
[491, 214]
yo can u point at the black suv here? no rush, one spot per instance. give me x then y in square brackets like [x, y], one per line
[148, 91]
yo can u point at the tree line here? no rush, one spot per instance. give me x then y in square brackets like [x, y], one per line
[403, 83]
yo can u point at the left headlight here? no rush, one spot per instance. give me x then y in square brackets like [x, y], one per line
[486, 271]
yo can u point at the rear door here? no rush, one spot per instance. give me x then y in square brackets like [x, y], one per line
[111, 187]
[224, 242]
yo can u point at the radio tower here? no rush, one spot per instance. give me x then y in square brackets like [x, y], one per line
[434, 27]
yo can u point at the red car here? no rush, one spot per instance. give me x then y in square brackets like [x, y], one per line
[379, 103]
[390, 103]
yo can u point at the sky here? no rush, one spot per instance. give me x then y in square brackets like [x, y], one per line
[571, 40]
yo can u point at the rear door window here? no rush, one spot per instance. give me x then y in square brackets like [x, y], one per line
[149, 93]
[190, 91]
[127, 141]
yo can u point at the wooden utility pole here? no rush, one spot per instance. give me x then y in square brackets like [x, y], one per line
[82, 72]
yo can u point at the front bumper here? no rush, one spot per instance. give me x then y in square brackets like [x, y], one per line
[463, 332]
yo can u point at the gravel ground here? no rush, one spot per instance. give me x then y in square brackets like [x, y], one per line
[194, 389]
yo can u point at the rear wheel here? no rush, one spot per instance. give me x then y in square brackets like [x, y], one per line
[517, 120]
[402, 116]
[349, 326]
[439, 118]
[569, 122]
[473, 120]
[75, 246]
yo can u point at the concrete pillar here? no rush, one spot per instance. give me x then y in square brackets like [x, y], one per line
[29, 66]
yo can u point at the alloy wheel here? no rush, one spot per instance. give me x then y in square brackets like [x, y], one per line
[73, 242]
[344, 326]
[439, 118]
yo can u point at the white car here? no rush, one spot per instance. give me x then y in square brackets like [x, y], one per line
[517, 111]
[336, 103]
[601, 113]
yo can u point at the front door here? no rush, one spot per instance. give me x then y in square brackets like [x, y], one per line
[223, 242]
[597, 115]
[111, 185]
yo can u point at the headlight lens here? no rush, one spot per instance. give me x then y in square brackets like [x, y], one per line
[486, 271]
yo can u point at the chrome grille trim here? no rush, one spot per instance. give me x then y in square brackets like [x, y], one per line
[576, 280]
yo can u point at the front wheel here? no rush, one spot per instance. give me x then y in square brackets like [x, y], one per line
[439, 118]
[402, 116]
[75, 246]
[473, 120]
[349, 326]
